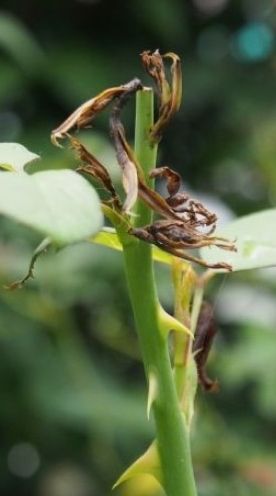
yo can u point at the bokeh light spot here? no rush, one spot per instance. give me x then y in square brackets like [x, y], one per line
[254, 42]
[210, 7]
[23, 460]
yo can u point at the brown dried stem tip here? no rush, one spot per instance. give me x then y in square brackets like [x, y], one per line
[169, 94]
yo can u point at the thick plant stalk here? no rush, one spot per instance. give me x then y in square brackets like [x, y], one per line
[171, 433]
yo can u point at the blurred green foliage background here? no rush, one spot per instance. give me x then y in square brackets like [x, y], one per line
[72, 410]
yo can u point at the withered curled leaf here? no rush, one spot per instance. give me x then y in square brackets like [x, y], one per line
[176, 81]
[125, 156]
[169, 94]
[179, 201]
[204, 336]
[92, 166]
[153, 63]
[175, 236]
[155, 201]
[178, 229]
[86, 112]
[173, 179]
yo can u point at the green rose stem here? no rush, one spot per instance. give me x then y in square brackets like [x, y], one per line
[171, 432]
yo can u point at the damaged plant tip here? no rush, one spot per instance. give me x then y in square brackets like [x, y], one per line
[125, 156]
[204, 336]
[86, 112]
[185, 223]
[170, 94]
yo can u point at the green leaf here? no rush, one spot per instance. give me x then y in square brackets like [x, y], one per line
[14, 157]
[60, 204]
[255, 239]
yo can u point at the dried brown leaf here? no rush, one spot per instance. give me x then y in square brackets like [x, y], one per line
[169, 95]
[182, 216]
[125, 156]
[194, 212]
[176, 80]
[155, 201]
[145, 234]
[204, 336]
[92, 166]
[173, 178]
[84, 114]
[153, 63]
[129, 171]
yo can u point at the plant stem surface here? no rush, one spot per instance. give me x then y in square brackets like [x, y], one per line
[171, 432]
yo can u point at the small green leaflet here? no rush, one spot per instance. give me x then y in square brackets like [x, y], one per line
[255, 238]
